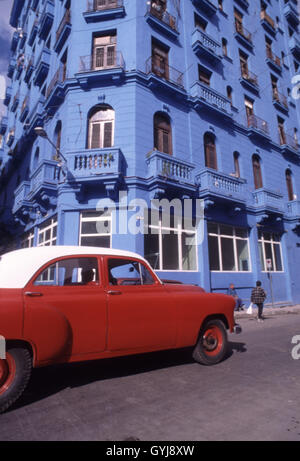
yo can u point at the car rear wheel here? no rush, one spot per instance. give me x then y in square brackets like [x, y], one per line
[15, 371]
[212, 343]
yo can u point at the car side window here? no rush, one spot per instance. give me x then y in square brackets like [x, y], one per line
[70, 272]
[128, 272]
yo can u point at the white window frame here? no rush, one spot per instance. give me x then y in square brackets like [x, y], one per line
[178, 230]
[273, 242]
[28, 239]
[95, 219]
[99, 119]
[233, 237]
[44, 228]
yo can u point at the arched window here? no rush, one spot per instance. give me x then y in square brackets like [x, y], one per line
[258, 183]
[162, 133]
[210, 151]
[229, 93]
[101, 127]
[236, 163]
[289, 184]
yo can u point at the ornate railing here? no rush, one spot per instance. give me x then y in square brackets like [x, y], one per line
[167, 167]
[258, 123]
[211, 97]
[89, 64]
[265, 198]
[163, 16]
[163, 70]
[221, 184]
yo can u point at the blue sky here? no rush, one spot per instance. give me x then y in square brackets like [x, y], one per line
[5, 39]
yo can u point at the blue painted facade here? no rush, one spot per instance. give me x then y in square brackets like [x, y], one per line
[165, 80]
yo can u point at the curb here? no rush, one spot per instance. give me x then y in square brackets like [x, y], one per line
[269, 311]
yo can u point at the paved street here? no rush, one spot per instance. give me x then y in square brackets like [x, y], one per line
[252, 395]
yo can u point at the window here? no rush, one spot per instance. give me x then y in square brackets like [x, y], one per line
[200, 23]
[258, 183]
[244, 65]
[249, 110]
[104, 52]
[36, 159]
[27, 240]
[210, 151]
[104, 4]
[170, 247]
[47, 233]
[228, 248]
[128, 272]
[101, 127]
[281, 131]
[95, 229]
[204, 76]
[270, 249]
[236, 161]
[289, 184]
[224, 47]
[275, 93]
[162, 133]
[160, 60]
[70, 272]
[229, 93]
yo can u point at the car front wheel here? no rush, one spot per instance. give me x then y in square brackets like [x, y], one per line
[15, 371]
[212, 343]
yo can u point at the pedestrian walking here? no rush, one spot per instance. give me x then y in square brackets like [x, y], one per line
[258, 297]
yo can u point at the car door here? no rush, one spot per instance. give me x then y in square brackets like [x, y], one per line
[65, 308]
[141, 314]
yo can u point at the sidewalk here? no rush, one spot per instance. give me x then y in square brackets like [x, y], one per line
[269, 311]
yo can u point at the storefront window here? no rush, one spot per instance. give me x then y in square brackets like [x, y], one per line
[228, 248]
[95, 229]
[270, 252]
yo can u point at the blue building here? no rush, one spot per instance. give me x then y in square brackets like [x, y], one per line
[188, 100]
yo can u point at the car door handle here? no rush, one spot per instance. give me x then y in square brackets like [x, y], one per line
[114, 292]
[33, 294]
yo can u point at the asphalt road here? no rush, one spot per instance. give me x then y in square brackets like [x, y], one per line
[252, 395]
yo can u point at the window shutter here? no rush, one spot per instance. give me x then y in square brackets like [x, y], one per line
[99, 57]
[95, 136]
[107, 134]
[110, 56]
[210, 153]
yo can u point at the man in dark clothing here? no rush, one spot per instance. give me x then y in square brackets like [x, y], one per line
[238, 301]
[258, 297]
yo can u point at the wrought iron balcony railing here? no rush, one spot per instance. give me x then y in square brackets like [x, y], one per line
[163, 70]
[257, 123]
[163, 16]
[91, 63]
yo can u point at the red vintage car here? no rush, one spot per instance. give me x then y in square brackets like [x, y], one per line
[68, 303]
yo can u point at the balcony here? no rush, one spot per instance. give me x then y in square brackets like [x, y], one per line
[95, 165]
[280, 100]
[208, 6]
[243, 3]
[267, 22]
[8, 94]
[163, 21]
[221, 186]
[257, 126]
[15, 102]
[21, 194]
[243, 35]
[63, 31]
[206, 46]
[289, 144]
[291, 14]
[24, 109]
[10, 137]
[109, 9]
[46, 20]
[14, 41]
[293, 209]
[164, 77]
[294, 45]
[169, 170]
[44, 180]
[11, 67]
[36, 117]
[92, 71]
[268, 200]
[42, 67]
[250, 80]
[33, 32]
[3, 125]
[28, 70]
[273, 60]
[205, 97]
[56, 90]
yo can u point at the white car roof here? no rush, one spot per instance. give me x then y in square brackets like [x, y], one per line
[17, 267]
